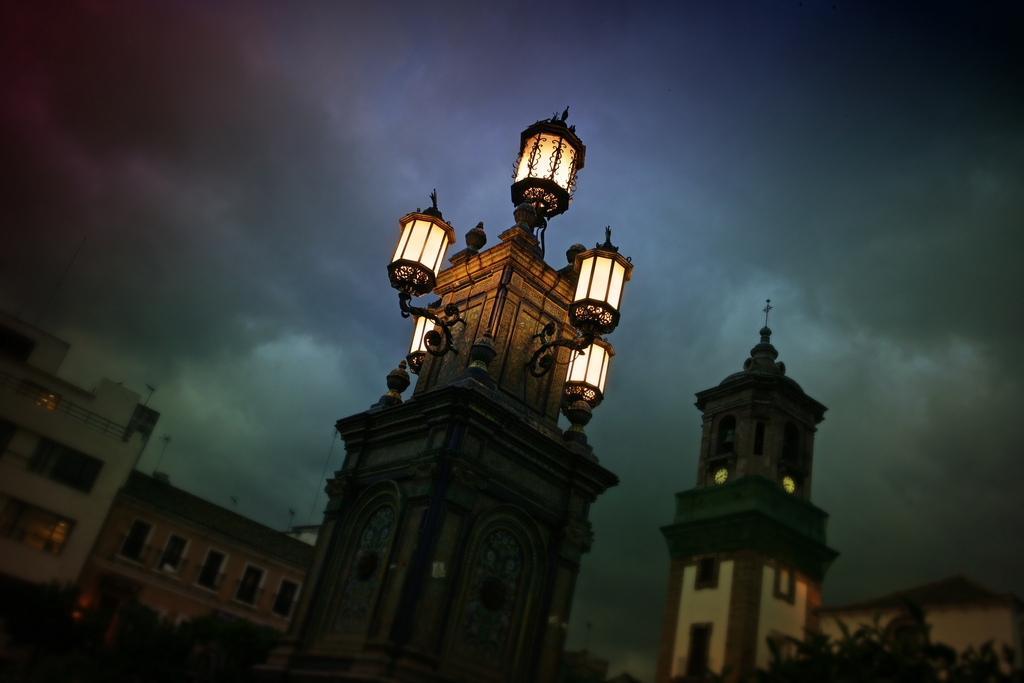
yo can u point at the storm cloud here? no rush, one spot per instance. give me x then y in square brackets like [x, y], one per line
[231, 175]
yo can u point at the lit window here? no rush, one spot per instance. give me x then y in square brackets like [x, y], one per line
[785, 584]
[34, 526]
[42, 396]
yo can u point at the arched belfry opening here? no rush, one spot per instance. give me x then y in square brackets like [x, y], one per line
[726, 435]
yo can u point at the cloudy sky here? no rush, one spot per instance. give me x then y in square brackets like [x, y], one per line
[232, 174]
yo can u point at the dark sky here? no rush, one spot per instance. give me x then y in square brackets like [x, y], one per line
[237, 171]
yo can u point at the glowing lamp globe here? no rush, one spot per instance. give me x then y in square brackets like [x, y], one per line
[418, 347]
[602, 275]
[550, 155]
[587, 373]
[420, 252]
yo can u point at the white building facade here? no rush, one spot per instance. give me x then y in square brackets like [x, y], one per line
[64, 453]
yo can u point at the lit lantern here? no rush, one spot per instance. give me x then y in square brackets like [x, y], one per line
[602, 274]
[418, 348]
[550, 155]
[420, 252]
[587, 373]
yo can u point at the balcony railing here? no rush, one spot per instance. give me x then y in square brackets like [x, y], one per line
[172, 568]
[247, 593]
[282, 607]
[208, 579]
[54, 402]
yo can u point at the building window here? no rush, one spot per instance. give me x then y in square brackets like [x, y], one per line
[781, 645]
[785, 584]
[42, 396]
[700, 647]
[726, 435]
[707, 573]
[249, 585]
[7, 430]
[134, 546]
[35, 527]
[171, 559]
[15, 344]
[285, 598]
[759, 439]
[65, 465]
[209, 574]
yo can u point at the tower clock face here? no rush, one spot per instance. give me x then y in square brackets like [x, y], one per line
[721, 475]
[788, 484]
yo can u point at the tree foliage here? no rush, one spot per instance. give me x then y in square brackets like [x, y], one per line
[65, 643]
[872, 654]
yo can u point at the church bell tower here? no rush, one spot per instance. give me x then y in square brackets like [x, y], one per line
[747, 547]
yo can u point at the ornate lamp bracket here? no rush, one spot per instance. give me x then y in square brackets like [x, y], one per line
[436, 344]
[543, 359]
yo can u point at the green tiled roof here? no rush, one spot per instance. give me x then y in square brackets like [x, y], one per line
[203, 513]
[750, 513]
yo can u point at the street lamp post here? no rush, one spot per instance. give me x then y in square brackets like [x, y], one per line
[456, 525]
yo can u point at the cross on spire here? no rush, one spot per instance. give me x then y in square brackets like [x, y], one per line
[766, 309]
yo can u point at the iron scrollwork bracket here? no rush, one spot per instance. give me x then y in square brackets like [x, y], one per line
[543, 359]
[436, 345]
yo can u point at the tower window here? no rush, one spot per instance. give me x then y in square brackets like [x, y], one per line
[726, 435]
[700, 647]
[791, 444]
[759, 439]
[785, 584]
[707, 573]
